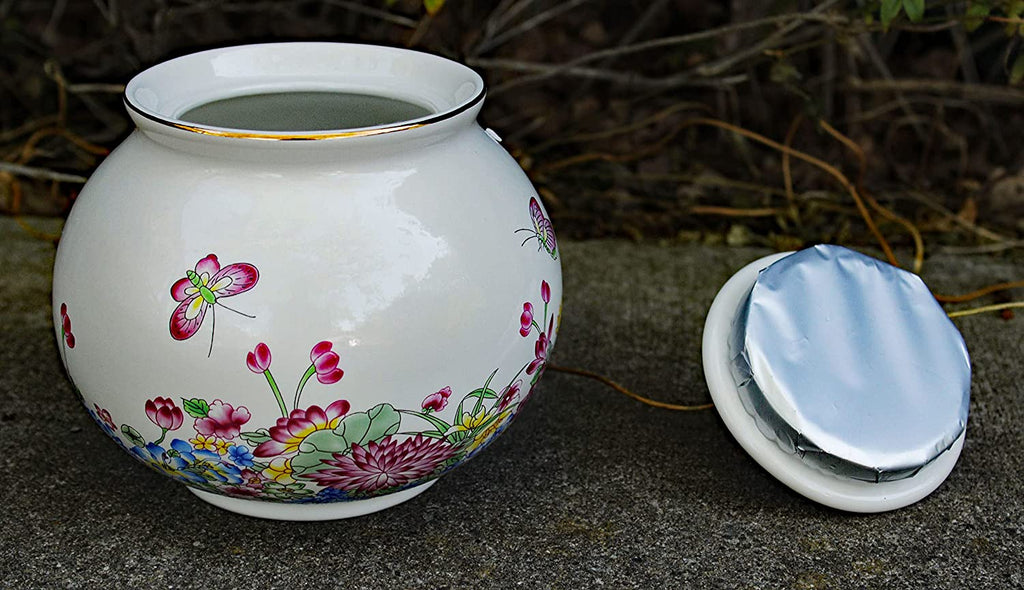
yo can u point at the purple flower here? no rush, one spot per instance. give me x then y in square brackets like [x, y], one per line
[325, 361]
[223, 420]
[162, 412]
[437, 400]
[258, 360]
[545, 291]
[526, 320]
[384, 464]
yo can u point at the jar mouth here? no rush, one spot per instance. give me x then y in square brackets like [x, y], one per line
[260, 91]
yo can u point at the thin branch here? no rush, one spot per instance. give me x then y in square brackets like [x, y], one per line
[528, 24]
[629, 79]
[975, 92]
[43, 173]
[377, 13]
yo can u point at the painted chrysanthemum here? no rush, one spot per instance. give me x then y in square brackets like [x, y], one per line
[383, 465]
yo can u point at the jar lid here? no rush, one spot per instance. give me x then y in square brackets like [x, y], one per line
[841, 375]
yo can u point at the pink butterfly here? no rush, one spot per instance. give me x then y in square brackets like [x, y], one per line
[202, 289]
[542, 230]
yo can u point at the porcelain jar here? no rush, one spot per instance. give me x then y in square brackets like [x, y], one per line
[308, 284]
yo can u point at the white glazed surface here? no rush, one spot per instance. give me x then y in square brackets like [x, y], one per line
[825, 488]
[401, 250]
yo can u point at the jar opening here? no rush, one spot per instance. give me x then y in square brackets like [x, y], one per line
[304, 111]
[299, 91]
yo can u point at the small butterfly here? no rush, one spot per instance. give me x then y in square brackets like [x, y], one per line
[202, 289]
[542, 230]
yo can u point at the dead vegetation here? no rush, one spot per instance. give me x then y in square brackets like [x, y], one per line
[777, 123]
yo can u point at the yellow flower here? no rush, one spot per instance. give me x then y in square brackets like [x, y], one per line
[469, 421]
[222, 446]
[280, 470]
[491, 429]
[203, 442]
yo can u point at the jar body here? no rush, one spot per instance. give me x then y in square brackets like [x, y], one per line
[322, 329]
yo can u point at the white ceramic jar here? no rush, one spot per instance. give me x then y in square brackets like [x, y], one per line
[302, 303]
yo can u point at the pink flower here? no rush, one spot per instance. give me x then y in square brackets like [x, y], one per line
[289, 432]
[105, 417]
[437, 400]
[384, 464]
[223, 420]
[325, 361]
[526, 320]
[545, 291]
[540, 349]
[258, 360]
[509, 395]
[162, 412]
[65, 326]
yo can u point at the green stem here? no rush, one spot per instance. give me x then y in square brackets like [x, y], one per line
[302, 383]
[277, 393]
[163, 433]
[480, 396]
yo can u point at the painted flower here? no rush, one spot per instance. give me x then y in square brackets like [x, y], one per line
[545, 291]
[541, 349]
[187, 464]
[325, 361]
[162, 412]
[106, 421]
[280, 471]
[241, 491]
[492, 430]
[526, 320]
[240, 455]
[65, 326]
[203, 442]
[223, 420]
[258, 360]
[289, 432]
[509, 395]
[468, 421]
[436, 401]
[384, 464]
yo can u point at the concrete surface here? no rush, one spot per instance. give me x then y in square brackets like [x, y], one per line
[587, 489]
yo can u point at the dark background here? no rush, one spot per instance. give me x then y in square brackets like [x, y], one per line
[601, 124]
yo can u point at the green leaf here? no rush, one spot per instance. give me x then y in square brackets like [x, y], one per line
[433, 6]
[133, 435]
[197, 408]
[1017, 71]
[304, 462]
[325, 441]
[976, 14]
[436, 422]
[361, 428]
[256, 437]
[890, 10]
[914, 10]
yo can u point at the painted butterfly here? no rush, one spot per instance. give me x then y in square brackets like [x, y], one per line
[542, 230]
[202, 289]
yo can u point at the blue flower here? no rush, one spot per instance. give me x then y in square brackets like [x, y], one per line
[326, 495]
[188, 465]
[241, 455]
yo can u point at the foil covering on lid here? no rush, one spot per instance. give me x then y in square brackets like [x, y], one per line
[850, 363]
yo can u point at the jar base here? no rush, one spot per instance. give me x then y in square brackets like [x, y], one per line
[310, 512]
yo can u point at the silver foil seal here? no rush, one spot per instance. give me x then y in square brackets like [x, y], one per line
[851, 364]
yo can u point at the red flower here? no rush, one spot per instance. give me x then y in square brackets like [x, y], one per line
[105, 417]
[509, 394]
[540, 349]
[437, 400]
[384, 464]
[291, 431]
[163, 413]
[325, 361]
[223, 420]
[526, 320]
[545, 291]
[65, 326]
[258, 360]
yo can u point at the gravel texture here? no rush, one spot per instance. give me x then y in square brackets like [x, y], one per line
[587, 489]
